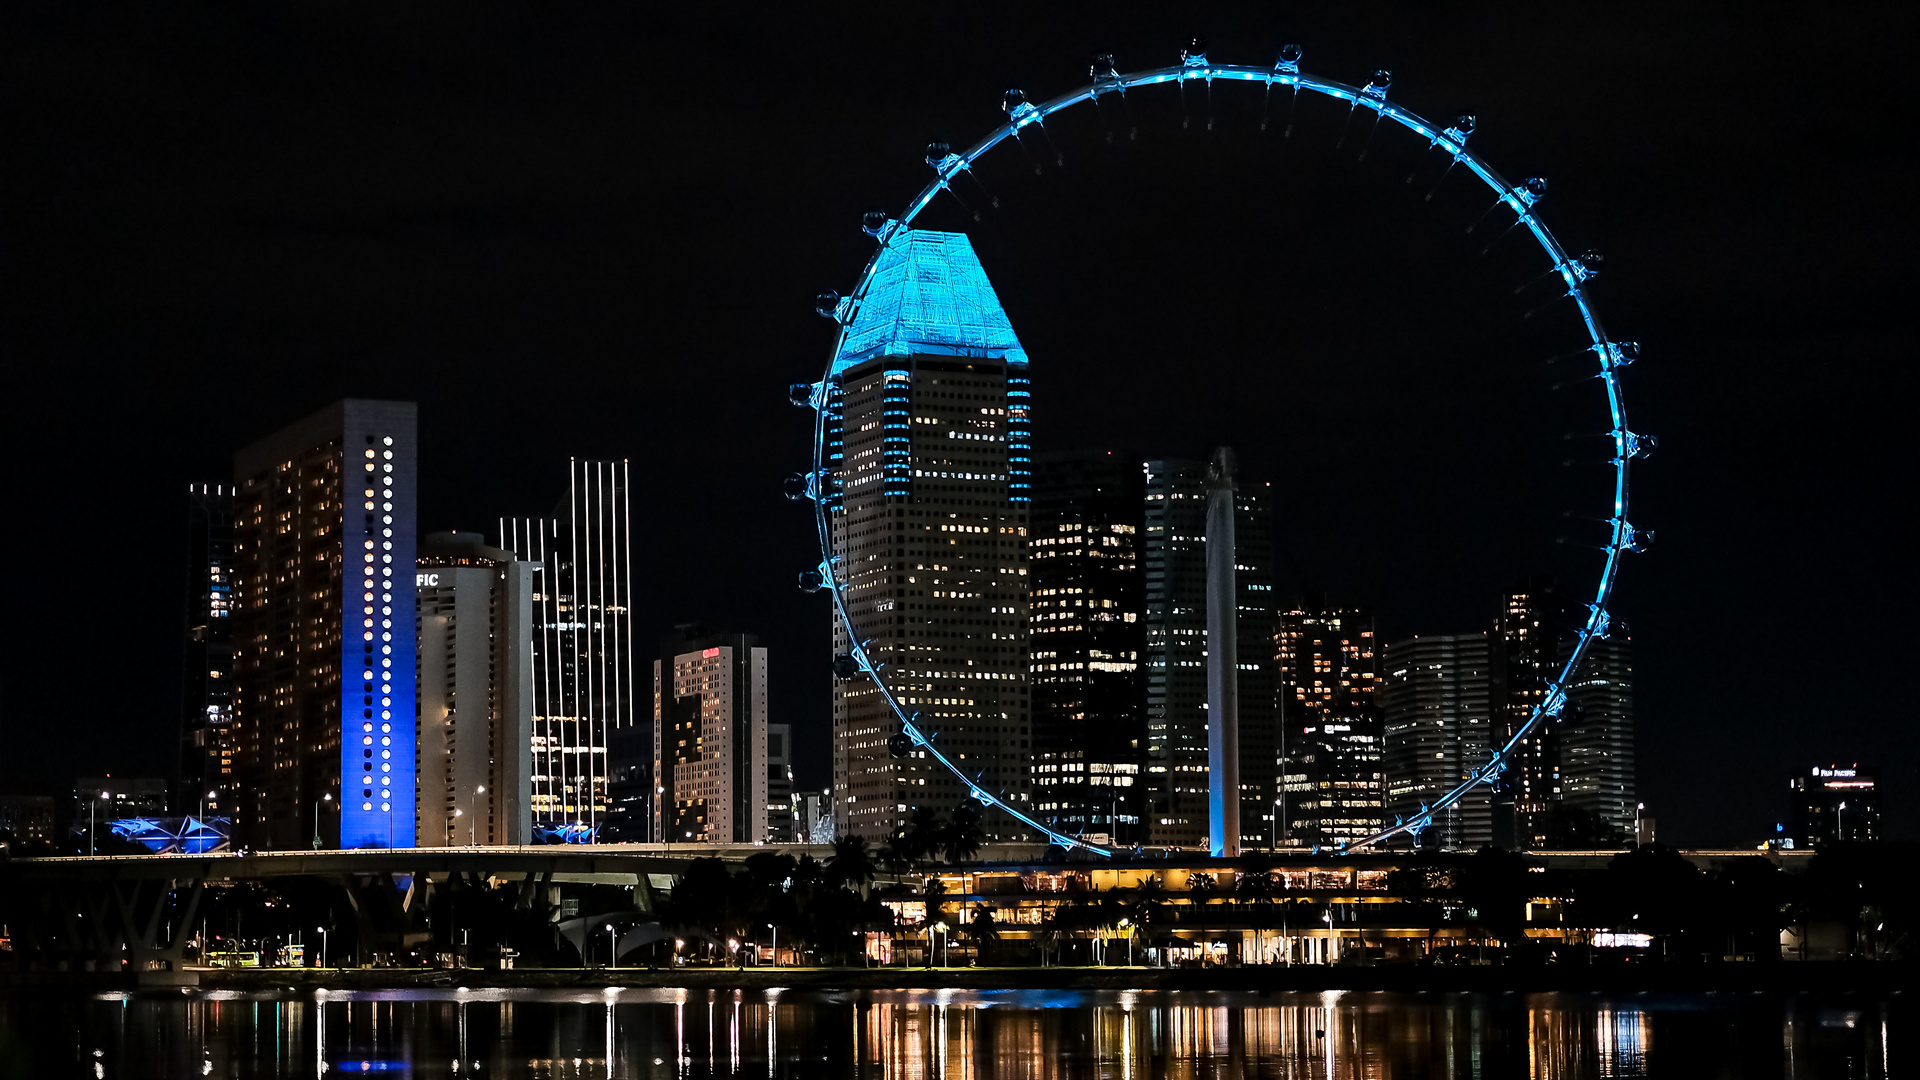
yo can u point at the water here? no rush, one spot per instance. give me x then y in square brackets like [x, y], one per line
[948, 1035]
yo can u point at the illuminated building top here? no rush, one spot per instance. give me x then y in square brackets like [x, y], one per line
[929, 296]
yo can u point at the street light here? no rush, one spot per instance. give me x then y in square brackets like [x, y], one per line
[776, 943]
[91, 803]
[323, 945]
[1840, 822]
[613, 949]
[1128, 927]
[316, 818]
[473, 816]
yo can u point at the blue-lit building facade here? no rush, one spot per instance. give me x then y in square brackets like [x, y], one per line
[324, 631]
[930, 483]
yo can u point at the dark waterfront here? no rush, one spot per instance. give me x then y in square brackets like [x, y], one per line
[949, 1034]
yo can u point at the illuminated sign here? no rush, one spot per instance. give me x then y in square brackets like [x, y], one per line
[425, 581]
[709, 654]
[1833, 772]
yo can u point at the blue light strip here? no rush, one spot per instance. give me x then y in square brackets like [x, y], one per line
[1452, 141]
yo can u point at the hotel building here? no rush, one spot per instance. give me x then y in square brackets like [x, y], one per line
[711, 768]
[323, 638]
[475, 692]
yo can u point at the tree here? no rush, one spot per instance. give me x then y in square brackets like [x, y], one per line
[1651, 890]
[851, 864]
[1496, 885]
[963, 835]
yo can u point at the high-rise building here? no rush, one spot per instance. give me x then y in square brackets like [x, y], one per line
[1436, 696]
[930, 481]
[584, 686]
[1530, 633]
[710, 740]
[1331, 738]
[1088, 639]
[780, 808]
[629, 818]
[1835, 804]
[323, 638]
[475, 686]
[1176, 656]
[1595, 737]
[206, 706]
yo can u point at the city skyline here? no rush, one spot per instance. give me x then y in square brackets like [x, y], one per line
[1702, 589]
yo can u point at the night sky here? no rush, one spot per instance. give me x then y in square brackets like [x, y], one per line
[597, 232]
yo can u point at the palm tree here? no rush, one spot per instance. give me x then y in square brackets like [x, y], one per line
[923, 835]
[962, 837]
[851, 863]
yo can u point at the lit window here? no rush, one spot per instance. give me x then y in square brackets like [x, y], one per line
[386, 807]
[388, 441]
[366, 806]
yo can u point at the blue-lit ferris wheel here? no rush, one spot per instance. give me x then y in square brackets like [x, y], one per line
[1609, 356]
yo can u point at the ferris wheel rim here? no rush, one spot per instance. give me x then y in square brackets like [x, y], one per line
[1451, 140]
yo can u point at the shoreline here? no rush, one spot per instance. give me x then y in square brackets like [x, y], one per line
[1782, 977]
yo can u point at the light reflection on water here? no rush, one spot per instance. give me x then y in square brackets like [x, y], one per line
[943, 1035]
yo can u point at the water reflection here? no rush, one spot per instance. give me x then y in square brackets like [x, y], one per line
[944, 1035]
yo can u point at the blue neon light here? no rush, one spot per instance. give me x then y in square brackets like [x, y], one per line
[899, 309]
[377, 728]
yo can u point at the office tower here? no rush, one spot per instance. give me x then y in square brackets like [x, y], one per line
[475, 686]
[1835, 804]
[584, 687]
[323, 639]
[1530, 634]
[1333, 785]
[929, 488]
[1436, 700]
[1088, 639]
[780, 800]
[1596, 733]
[1176, 612]
[206, 706]
[710, 740]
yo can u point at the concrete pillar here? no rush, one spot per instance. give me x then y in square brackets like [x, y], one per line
[1223, 672]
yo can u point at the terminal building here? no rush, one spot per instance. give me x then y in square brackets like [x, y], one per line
[323, 631]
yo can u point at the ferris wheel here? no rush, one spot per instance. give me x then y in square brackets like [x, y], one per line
[1517, 201]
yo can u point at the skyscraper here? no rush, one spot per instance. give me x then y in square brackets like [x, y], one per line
[1088, 644]
[475, 709]
[1331, 735]
[1596, 733]
[206, 707]
[928, 495]
[1436, 695]
[1176, 656]
[710, 740]
[584, 686]
[323, 639]
[1530, 634]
